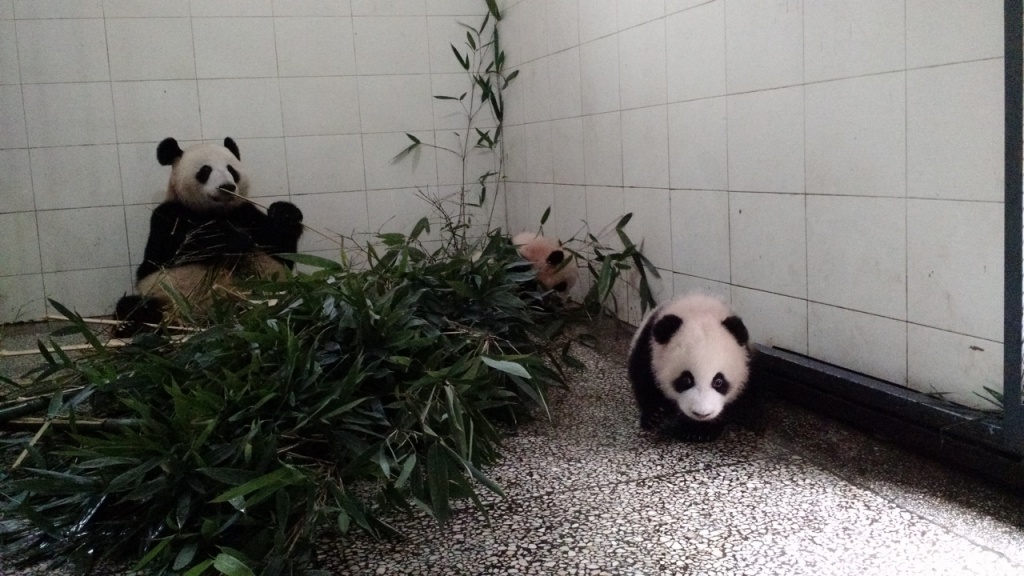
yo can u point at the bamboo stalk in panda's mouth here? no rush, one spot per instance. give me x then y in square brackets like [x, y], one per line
[304, 225]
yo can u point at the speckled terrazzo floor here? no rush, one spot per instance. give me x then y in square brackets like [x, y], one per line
[588, 494]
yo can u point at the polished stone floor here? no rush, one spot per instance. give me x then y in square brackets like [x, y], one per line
[588, 494]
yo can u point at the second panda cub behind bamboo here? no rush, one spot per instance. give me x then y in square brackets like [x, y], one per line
[689, 367]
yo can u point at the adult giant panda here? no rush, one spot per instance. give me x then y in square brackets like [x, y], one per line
[689, 366]
[204, 234]
[555, 268]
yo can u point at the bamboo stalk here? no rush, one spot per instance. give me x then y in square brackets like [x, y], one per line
[84, 423]
[112, 343]
[32, 442]
[119, 322]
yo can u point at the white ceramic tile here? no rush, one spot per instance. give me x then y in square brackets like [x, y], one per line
[15, 181]
[315, 106]
[541, 198]
[214, 8]
[21, 298]
[957, 367]
[955, 266]
[673, 6]
[450, 167]
[645, 147]
[634, 12]
[143, 180]
[9, 73]
[333, 215]
[58, 9]
[456, 7]
[695, 52]
[6, 9]
[150, 48]
[856, 253]
[389, 7]
[62, 50]
[396, 211]
[396, 103]
[651, 223]
[598, 18]
[852, 37]
[511, 27]
[69, 114]
[856, 136]
[602, 149]
[12, 121]
[642, 78]
[768, 242]
[946, 31]
[221, 115]
[569, 213]
[82, 238]
[318, 164]
[539, 160]
[955, 131]
[860, 342]
[599, 75]
[766, 141]
[567, 151]
[453, 114]
[418, 169]
[266, 162]
[685, 284]
[443, 32]
[22, 255]
[91, 292]
[772, 319]
[563, 24]
[763, 44]
[698, 145]
[392, 45]
[516, 146]
[76, 177]
[700, 233]
[234, 47]
[533, 30]
[312, 8]
[315, 46]
[535, 79]
[144, 9]
[151, 110]
[518, 203]
[137, 218]
[605, 207]
[564, 84]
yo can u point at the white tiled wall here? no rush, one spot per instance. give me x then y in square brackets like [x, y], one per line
[318, 93]
[834, 167]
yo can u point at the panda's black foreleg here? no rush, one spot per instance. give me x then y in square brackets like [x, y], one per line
[133, 311]
[284, 221]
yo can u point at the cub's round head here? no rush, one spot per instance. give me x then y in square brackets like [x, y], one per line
[699, 355]
[556, 268]
[204, 176]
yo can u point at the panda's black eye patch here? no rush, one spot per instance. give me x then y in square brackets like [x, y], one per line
[720, 384]
[556, 257]
[561, 287]
[684, 382]
[233, 172]
[204, 174]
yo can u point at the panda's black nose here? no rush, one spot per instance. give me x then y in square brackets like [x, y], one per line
[227, 187]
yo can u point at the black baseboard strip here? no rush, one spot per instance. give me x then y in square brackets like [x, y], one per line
[966, 438]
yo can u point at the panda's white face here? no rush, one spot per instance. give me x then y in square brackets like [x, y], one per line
[699, 355]
[556, 269]
[208, 177]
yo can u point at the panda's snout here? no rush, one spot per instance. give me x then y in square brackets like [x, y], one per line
[704, 415]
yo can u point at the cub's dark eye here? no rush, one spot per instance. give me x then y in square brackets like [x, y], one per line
[234, 173]
[561, 287]
[684, 382]
[720, 384]
[204, 174]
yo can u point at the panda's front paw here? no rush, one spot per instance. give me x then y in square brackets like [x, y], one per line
[284, 213]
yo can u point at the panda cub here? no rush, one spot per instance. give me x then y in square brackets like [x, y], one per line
[689, 365]
[554, 268]
[204, 235]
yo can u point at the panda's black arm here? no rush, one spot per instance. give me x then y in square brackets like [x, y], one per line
[280, 228]
[168, 229]
[179, 235]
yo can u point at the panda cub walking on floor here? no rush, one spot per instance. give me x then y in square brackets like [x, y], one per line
[689, 366]
[205, 234]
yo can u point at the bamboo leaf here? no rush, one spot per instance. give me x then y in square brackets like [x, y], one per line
[506, 366]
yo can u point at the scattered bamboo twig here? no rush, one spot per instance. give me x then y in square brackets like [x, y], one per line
[112, 343]
[32, 442]
[106, 322]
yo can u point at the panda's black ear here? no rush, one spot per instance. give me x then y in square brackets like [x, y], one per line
[738, 330]
[556, 257]
[168, 151]
[230, 145]
[666, 327]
